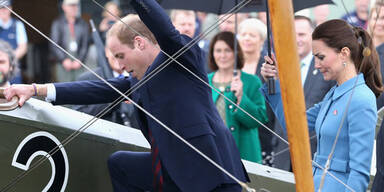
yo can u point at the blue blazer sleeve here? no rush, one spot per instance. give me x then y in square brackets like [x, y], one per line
[89, 92]
[158, 22]
[276, 104]
[169, 39]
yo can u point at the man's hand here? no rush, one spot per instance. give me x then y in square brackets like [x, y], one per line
[24, 92]
[67, 64]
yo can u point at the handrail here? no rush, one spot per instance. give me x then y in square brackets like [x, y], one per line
[8, 105]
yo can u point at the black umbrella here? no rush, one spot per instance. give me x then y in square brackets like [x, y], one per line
[223, 6]
[101, 58]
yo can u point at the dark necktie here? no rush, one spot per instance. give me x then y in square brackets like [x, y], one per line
[156, 165]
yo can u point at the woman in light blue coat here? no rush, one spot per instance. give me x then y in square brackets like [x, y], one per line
[345, 54]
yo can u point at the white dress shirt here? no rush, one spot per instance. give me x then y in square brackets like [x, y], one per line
[305, 62]
[51, 90]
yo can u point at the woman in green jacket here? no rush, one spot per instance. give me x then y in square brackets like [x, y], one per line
[242, 89]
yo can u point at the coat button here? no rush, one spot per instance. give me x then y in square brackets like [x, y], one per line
[230, 106]
[232, 128]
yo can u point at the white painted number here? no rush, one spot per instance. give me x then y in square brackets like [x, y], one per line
[40, 143]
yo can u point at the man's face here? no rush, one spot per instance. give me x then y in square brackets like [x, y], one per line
[132, 60]
[185, 24]
[5, 14]
[5, 67]
[362, 5]
[303, 37]
[376, 23]
[228, 25]
[70, 10]
[112, 61]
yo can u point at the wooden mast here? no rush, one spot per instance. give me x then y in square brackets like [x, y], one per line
[282, 23]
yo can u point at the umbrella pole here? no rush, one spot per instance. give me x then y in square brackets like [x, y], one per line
[292, 92]
[235, 45]
[271, 81]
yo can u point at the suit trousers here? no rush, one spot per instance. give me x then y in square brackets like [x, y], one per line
[132, 172]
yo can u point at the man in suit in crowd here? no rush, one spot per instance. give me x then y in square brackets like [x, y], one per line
[378, 182]
[72, 33]
[121, 113]
[174, 96]
[185, 22]
[314, 85]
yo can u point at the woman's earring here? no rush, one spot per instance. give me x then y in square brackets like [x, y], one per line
[344, 64]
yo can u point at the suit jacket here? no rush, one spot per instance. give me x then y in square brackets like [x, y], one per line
[177, 99]
[121, 113]
[380, 51]
[351, 160]
[60, 34]
[378, 182]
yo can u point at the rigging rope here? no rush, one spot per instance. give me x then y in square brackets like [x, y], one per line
[125, 97]
[146, 78]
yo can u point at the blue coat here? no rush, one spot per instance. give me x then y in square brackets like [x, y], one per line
[351, 160]
[180, 101]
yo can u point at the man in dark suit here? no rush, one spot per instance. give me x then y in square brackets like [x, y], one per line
[314, 85]
[174, 96]
[122, 113]
[378, 182]
[71, 32]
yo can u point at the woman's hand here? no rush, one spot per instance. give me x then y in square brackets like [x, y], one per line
[268, 68]
[76, 65]
[237, 87]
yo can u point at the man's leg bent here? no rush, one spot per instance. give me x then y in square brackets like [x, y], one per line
[131, 171]
[228, 188]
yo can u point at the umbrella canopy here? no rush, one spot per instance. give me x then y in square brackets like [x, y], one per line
[223, 6]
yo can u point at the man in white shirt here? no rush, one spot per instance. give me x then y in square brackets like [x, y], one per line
[313, 83]
[13, 31]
